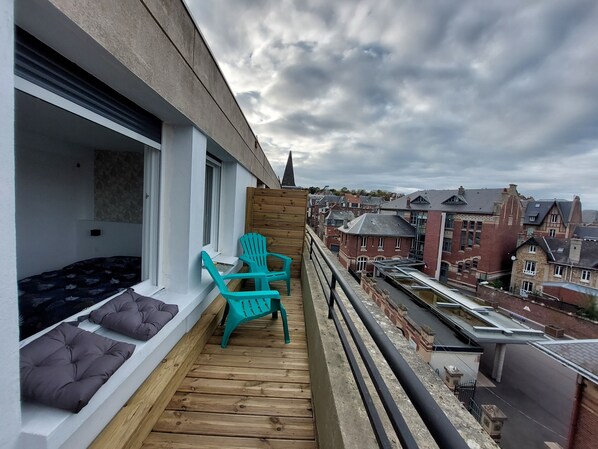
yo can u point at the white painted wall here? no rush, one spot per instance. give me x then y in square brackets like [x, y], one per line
[235, 180]
[116, 239]
[467, 363]
[53, 193]
[182, 202]
[10, 410]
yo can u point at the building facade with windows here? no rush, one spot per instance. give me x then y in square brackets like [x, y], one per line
[374, 237]
[465, 235]
[120, 137]
[564, 269]
[552, 218]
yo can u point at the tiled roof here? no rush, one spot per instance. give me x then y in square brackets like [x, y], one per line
[480, 201]
[586, 232]
[379, 225]
[539, 209]
[580, 355]
[558, 251]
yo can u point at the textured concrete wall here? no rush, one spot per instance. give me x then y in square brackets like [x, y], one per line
[164, 49]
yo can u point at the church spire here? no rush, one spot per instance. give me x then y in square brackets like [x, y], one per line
[288, 179]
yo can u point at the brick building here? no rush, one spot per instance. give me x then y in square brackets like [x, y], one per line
[552, 218]
[463, 235]
[330, 228]
[566, 269]
[372, 237]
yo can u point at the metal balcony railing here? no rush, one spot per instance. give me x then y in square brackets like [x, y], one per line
[440, 428]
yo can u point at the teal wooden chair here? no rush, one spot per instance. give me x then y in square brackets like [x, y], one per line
[255, 255]
[246, 306]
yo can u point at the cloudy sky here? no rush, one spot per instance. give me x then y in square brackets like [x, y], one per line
[409, 95]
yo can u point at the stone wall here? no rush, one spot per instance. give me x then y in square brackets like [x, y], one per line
[573, 325]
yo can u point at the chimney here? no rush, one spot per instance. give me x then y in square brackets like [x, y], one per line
[408, 202]
[513, 189]
[461, 191]
[575, 250]
[345, 223]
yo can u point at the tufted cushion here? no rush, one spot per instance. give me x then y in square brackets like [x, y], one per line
[66, 366]
[134, 315]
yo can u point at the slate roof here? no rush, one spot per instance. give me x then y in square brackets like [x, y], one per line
[329, 199]
[539, 209]
[479, 201]
[368, 200]
[558, 251]
[288, 179]
[579, 355]
[335, 214]
[379, 225]
[586, 232]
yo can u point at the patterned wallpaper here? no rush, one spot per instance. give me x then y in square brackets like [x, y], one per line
[118, 186]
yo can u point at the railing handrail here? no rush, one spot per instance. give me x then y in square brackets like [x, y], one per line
[439, 426]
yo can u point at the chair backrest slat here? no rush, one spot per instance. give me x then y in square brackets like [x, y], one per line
[254, 246]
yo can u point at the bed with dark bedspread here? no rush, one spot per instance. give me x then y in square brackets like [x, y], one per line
[50, 297]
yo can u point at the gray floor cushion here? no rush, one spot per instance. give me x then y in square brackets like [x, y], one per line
[66, 366]
[134, 315]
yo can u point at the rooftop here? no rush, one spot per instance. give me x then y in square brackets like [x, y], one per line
[480, 323]
[579, 355]
[379, 225]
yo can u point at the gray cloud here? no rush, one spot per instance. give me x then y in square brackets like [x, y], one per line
[407, 95]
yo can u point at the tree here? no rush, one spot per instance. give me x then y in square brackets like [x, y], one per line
[591, 309]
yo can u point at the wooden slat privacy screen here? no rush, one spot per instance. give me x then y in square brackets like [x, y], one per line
[279, 215]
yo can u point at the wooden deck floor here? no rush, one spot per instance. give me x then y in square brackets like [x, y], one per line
[253, 394]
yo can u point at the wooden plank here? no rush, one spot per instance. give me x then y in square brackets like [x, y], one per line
[283, 353]
[243, 405]
[134, 422]
[266, 224]
[281, 193]
[267, 342]
[245, 388]
[259, 362]
[158, 440]
[282, 233]
[235, 425]
[258, 335]
[249, 210]
[249, 373]
[267, 207]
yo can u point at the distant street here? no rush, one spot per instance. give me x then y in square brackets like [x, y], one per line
[536, 394]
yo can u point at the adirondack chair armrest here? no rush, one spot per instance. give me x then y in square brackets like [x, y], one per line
[286, 259]
[266, 294]
[244, 276]
[260, 278]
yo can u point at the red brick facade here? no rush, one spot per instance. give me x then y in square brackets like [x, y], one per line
[573, 325]
[584, 429]
[351, 250]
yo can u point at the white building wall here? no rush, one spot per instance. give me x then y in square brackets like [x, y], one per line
[54, 183]
[467, 363]
[10, 409]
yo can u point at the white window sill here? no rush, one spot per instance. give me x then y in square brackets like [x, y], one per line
[530, 273]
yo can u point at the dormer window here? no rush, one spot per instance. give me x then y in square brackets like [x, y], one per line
[532, 249]
[420, 200]
[455, 199]
[532, 218]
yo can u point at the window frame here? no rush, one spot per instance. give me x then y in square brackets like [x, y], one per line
[530, 267]
[380, 243]
[559, 271]
[361, 263]
[532, 249]
[527, 286]
[364, 242]
[212, 210]
[585, 276]
[398, 243]
[552, 233]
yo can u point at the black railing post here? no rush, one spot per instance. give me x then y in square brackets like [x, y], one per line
[331, 301]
